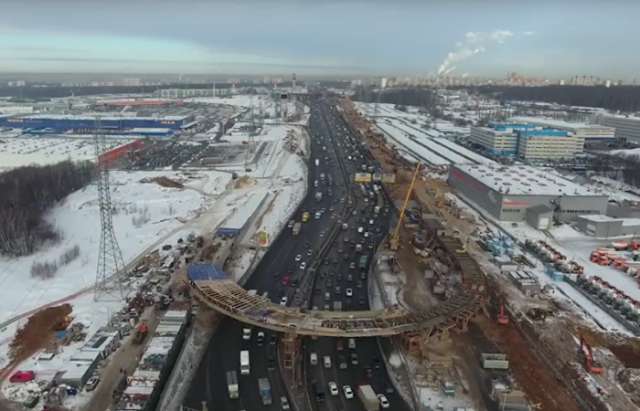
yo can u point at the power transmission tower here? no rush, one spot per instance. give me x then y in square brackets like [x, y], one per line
[110, 261]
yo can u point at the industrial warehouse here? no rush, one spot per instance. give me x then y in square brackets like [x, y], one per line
[519, 193]
[83, 124]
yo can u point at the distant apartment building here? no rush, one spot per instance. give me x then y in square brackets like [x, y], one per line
[527, 141]
[590, 133]
[626, 127]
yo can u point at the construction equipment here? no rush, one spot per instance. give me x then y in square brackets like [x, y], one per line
[141, 333]
[589, 363]
[394, 241]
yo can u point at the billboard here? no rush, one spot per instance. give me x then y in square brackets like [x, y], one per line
[362, 178]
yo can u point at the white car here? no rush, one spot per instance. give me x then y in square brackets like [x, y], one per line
[284, 403]
[333, 388]
[303, 265]
[348, 392]
[313, 358]
[384, 402]
[298, 257]
[246, 334]
[283, 300]
[349, 292]
[327, 361]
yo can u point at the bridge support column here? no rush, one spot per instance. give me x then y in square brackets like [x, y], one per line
[290, 350]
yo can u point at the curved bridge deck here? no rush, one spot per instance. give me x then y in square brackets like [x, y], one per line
[224, 295]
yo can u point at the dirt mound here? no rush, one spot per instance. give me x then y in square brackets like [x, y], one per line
[38, 331]
[244, 182]
[163, 181]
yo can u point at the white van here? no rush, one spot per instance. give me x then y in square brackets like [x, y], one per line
[313, 358]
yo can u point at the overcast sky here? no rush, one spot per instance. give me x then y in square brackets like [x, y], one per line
[484, 37]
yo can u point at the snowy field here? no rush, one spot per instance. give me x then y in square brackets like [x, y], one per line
[148, 216]
[24, 151]
[144, 212]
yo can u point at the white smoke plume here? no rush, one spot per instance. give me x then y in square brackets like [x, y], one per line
[473, 43]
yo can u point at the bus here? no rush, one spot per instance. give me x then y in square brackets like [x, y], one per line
[245, 369]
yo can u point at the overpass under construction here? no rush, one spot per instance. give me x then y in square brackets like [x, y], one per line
[222, 294]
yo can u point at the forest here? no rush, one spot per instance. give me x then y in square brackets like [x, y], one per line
[414, 96]
[617, 98]
[27, 194]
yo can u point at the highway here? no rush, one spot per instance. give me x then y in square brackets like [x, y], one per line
[347, 282]
[279, 274]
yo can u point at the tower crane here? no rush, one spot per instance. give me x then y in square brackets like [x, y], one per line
[394, 241]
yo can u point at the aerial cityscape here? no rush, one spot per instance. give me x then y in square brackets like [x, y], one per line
[319, 206]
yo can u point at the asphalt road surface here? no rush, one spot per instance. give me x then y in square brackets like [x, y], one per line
[280, 273]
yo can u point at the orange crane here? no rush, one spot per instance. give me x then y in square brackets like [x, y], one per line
[394, 241]
[589, 363]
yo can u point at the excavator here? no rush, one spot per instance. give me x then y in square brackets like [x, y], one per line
[503, 318]
[394, 241]
[589, 363]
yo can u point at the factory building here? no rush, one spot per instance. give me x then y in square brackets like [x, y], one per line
[627, 127]
[515, 193]
[589, 133]
[191, 92]
[527, 141]
[605, 226]
[498, 141]
[62, 123]
[548, 144]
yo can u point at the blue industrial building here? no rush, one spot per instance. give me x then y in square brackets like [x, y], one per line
[62, 123]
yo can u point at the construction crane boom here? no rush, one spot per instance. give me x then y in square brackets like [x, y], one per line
[394, 242]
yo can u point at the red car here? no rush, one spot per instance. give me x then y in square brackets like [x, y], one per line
[22, 376]
[285, 280]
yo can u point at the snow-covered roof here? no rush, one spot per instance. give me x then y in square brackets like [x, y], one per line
[561, 124]
[524, 180]
[598, 218]
[90, 118]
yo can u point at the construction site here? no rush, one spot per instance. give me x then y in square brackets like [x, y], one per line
[556, 360]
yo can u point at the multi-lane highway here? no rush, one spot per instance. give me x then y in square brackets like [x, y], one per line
[339, 279]
[345, 279]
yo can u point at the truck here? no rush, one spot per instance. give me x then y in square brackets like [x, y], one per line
[296, 228]
[368, 398]
[264, 387]
[245, 368]
[141, 333]
[494, 361]
[318, 195]
[337, 306]
[232, 384]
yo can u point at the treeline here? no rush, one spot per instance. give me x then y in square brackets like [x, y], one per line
[27, 193]
[618, 98]
[625, 167]
[414, 96]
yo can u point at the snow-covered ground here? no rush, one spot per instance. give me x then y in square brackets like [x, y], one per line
[632, 152]
[145, 211]
[23, 151]
[148, 216]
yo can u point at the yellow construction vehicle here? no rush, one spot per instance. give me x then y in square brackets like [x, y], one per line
[394, 241]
